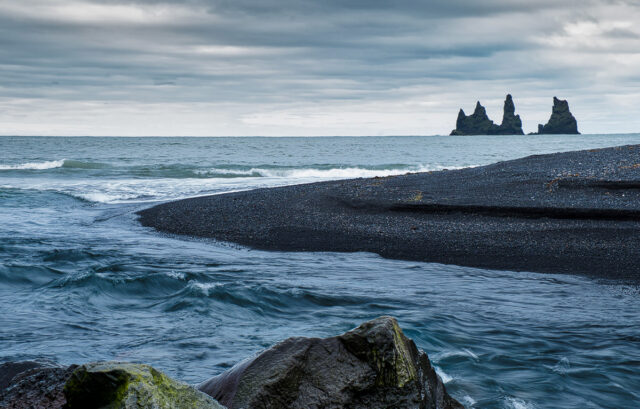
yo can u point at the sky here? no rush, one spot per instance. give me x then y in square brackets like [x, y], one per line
[305, 68]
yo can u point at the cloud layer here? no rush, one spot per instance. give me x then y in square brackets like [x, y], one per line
[306, 67]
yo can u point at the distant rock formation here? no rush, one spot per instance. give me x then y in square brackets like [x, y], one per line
[479, 123]
[511, 123]
[561, 121]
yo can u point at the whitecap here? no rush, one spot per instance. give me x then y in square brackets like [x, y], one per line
[204, 288]
[34, 165]
[563, 366]
[176, 275]
[443, 375]
[316, 173]
[468, 400]
[515, 403]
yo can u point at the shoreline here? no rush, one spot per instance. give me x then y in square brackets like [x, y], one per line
[571, 212]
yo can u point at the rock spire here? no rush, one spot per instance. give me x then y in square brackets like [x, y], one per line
[479, 123]
[562, 120]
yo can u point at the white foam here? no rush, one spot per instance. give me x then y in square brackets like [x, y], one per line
[470, 353]
[515, 403]
[112, 191]
[34, 165]
[443, 375]
[451, 353]
[468, 400]
[176, 275]
[204, 288]
[315, 173]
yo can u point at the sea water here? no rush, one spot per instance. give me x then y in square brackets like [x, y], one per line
[81, 280]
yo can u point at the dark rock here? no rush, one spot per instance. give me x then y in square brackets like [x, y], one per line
[9, 370]
[372, 366]
[561, 121]
[130, 386]
[479, 123]
[511, 123]
[36, 388]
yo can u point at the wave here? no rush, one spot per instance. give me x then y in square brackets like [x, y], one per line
[35, 165]
[312, 173]
[446, 378]
[54, 164]
[171, 182]
[515, 403]
[194, 171]
[76, 164]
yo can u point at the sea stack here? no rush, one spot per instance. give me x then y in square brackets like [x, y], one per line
[562, 120]
[511, 123]
[479, 123]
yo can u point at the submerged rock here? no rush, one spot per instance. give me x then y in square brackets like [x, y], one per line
[372, 366]
[33, 385]
[561, 121]
[479, 123]
[117, 385]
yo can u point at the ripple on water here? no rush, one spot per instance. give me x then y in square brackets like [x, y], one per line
[80, 280]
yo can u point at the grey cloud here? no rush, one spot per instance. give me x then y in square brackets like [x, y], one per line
[257, 53]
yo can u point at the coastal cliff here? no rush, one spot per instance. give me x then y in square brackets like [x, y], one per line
[479, 123]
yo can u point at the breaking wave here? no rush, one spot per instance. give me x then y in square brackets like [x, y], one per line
[54, 164]
[329, 173]
[34, 165]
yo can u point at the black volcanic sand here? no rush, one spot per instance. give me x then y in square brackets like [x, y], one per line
[573, 212]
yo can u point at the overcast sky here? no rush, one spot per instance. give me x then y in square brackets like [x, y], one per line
[325, 67]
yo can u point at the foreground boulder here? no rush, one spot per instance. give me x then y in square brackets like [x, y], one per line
[372, 366]
[562, 120]
[111, 385]
[116, 385]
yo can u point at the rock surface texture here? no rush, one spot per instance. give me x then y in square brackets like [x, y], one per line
[32, 385]
[103, 385]
[117, 385]
[479, 123]
[372, 366]
[562, 120]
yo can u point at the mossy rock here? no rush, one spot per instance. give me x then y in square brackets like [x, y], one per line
[119, 385]
[372, 366]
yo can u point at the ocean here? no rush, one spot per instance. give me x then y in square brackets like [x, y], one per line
[81, 280]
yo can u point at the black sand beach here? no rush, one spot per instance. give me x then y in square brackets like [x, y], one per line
[573, 212]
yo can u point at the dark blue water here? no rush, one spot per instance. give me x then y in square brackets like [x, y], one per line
[80, 280]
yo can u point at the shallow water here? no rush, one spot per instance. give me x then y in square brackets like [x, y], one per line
[80, 280]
